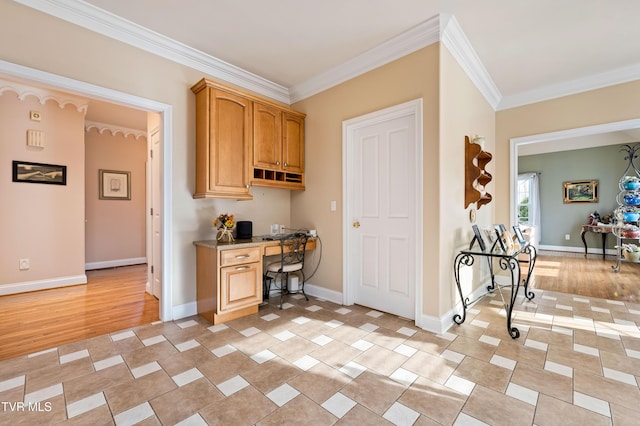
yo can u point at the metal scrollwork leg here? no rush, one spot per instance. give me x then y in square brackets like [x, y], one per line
[513, 266]
[531, 251]
[467, 260]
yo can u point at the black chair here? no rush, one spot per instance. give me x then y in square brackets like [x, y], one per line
[291, 261]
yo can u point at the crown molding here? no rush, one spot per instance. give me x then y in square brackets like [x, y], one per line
[44, 95]
[454, 39]
[401, 45]
[114, 130]
[572, 87]
[102, 22]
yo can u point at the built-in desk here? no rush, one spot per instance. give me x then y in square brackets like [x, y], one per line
[229, 276]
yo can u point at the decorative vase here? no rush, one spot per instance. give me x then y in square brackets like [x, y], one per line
[631, 256]
[225, 235]
[631, 183]
[631, 216]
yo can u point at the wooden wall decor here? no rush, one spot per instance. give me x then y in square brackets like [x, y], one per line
[476, 177]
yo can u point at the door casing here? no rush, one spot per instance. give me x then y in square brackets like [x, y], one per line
[348, 130]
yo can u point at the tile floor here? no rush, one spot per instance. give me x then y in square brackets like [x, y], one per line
[577, 361]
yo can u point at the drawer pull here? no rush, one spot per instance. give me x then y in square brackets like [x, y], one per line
[242, 256]
[242, 268]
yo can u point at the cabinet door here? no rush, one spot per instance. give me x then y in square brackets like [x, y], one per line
[292, 143]
[229, 143]
[240, 286]
[267, 136]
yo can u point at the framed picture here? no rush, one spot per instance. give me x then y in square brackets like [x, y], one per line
[520, 237]
[477, 236]
[115, 185]
[581, 191]
[24, 171]
[500, 236]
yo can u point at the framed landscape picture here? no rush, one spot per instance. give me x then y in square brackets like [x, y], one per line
[24, 171]
[115, 185]
[581, 191]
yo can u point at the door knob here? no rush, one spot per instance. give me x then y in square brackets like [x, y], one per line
[356, 224]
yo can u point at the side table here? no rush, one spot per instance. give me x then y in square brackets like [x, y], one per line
[603, 230]
[508, 261]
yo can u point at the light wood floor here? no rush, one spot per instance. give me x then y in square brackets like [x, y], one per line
[592, 276]
[113, 299]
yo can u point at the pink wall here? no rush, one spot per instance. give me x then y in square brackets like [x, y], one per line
[40, 222]
[115, 229]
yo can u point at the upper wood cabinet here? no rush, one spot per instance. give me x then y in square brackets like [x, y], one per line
[293, 142]
[267, 136]
[243, 140]
[278, 147]
[223, 143]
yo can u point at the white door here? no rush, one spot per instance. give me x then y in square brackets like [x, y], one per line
[382, 209]
[156, 218]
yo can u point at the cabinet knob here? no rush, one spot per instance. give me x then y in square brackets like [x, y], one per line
[285, 164]
[277, 163]
[356, 224]
[247, 186]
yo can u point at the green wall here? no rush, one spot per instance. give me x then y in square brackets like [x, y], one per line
[605, 163]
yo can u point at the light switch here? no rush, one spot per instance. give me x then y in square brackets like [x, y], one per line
[333, 206]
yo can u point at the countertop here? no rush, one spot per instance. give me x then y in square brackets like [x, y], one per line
[253, 242]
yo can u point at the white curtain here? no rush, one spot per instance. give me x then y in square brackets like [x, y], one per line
[534, 205]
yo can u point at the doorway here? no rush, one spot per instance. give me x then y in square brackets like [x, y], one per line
[56, 82]
[382, 218]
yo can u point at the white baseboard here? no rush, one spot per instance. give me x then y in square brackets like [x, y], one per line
[114, 263]
[323, 293]
[26, 286]
[183, 311]
[593, 250]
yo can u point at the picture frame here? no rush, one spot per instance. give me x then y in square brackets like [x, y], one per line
[26, 171]
[114, 185]
[519, 235]
[581, 191]
[500, 234]
[477, 236]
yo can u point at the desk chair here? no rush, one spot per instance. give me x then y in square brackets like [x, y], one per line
[291, 261]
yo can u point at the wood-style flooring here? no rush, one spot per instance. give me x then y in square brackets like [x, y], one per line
[113, 299]
[592, 276]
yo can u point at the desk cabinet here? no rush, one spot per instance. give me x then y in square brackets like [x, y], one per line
[229, 282]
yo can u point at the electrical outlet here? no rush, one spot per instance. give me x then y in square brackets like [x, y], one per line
[567, 237]
[24, 264]
[333, 206]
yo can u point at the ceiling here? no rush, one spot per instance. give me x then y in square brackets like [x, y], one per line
[525, 46]
[518, 52]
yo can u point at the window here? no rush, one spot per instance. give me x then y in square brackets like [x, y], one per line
[524, 197]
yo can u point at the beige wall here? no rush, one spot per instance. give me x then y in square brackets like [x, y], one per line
[115, 229]
[610, 104]
[412, 77]
[41, 222]
[463, 112]
[85, 56]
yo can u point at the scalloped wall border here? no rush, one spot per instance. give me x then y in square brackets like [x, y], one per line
[114, 130]
[43, 95]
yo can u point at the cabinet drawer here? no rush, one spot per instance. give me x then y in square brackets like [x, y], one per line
[240, 255]
[241, 286]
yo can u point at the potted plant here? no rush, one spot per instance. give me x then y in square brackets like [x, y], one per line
[630, 252]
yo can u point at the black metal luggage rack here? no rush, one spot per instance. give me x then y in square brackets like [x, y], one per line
[509, 258]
